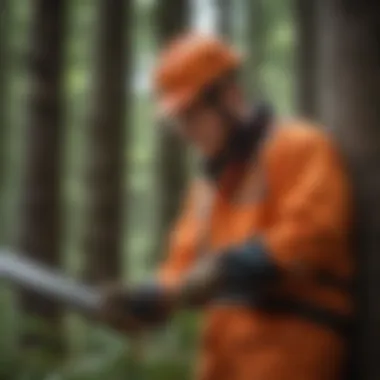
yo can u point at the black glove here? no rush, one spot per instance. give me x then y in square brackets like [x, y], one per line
[149, 303]
[130, 310]
[245, 270]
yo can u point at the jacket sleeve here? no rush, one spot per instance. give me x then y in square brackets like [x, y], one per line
[313, 205]
[310, 200]
[181, 245]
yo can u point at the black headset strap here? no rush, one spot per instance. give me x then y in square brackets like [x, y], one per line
[243, 136]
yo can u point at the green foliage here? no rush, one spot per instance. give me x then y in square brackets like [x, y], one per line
[167, 370]
[105, 355]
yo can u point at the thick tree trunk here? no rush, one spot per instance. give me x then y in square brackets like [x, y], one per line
[307, 33]
[351, 108]
[39, 234]
[172, 163]
[106, 141]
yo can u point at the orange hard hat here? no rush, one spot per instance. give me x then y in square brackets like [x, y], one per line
[188, 65]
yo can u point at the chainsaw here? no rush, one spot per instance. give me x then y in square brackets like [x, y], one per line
[37, 278]
[90, 300]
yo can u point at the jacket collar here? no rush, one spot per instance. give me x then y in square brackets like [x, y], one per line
[242, 142]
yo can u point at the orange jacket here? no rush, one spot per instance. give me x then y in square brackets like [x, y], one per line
[296, 197]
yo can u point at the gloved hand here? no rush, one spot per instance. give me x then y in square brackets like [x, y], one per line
[238, 273]
[135, 309]
[245, 270]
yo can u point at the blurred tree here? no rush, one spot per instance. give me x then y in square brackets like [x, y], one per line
[305, 14]
[106, 141]
[3, 66]
[173, 17]
[257, 41]
[40, 229]
[350, 82]
[225, 18]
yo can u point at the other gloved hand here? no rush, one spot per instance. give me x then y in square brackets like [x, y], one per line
[135, 309]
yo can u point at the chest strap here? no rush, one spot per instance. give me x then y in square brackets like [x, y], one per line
[334, 282]
[330, 319]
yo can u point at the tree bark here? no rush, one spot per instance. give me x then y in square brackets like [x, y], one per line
[106, 136]
[40, 221]
[307, 46]
[350, 79]
[172, 163]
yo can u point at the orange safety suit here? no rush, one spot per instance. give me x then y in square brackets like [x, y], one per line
[295, 196]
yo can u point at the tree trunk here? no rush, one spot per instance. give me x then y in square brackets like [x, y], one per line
[4, 15]
[350, 107]
[225, 18]
[256, 40]
[106, 141]
[172, 163]
[40, 229]
[172, 19]
[307, 33]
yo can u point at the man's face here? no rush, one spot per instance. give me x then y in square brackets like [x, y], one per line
[204, 128]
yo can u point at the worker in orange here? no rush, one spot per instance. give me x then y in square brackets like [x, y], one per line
[271, 210]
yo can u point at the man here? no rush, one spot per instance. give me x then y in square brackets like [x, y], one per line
[269, 218]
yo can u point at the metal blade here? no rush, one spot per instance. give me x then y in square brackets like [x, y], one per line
[33, 276]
